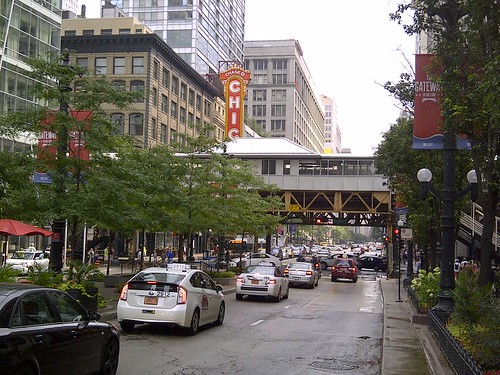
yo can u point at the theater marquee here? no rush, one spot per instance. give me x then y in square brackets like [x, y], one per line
[234, 80]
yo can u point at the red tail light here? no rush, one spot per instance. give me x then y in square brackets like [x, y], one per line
[309, 273]
[182, 295]
[124, 293]
[286, 271]
[240, 280]
[271, 281]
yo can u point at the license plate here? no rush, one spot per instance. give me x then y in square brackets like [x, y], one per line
[296, 278]
[151, 300]
[255, 282]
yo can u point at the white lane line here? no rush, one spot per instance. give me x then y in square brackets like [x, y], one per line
[287, 306]
[257, 322]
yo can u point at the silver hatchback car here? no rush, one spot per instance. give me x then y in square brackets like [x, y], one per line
[302, 274]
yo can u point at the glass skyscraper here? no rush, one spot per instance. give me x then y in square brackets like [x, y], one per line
[205, 33]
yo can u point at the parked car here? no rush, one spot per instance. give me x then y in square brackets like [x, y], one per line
[373, 262]
[313, 259]
[177, 295]
[302, 274]
[264, 280]
[344, 268]
[23, 260]
[256, 258]
[46, 331]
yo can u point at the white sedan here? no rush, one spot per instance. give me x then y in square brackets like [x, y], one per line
[23, 260]
[263, 280]
[177, 295]
[256, 258]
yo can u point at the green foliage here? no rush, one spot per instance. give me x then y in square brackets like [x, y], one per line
[221, 274]
[474, 321]
[39, 276]
[81, 274]
[426, 285]
[8, 275]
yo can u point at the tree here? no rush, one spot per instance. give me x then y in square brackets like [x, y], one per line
[465, 39]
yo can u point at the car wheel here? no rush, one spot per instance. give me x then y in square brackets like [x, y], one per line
[239, 297]
[334, 279]
[376, 268]
[355, 280]
[127, 326]
[220, 317]
[278, 297]
[109, 363]
[311, 286]
[195, 323]
[317, 282]
[287, 291]
[25, 369]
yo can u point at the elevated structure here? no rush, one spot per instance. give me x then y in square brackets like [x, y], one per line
[319, 188]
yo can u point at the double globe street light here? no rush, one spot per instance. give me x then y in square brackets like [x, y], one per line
[448, 226]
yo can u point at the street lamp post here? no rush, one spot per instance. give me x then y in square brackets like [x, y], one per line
[448, 196]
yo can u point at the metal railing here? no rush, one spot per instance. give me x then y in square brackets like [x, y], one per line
[461, 362]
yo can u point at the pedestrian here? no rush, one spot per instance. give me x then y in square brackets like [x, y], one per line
[31, 247]
[170, 256]
[91, 255]
[456, 267]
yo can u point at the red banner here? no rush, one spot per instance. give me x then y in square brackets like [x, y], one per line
[235, 80]
[428, 121]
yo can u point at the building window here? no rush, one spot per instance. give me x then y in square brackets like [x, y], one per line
[82, 61]
[164, 103]
[279, 79]
[278, 125]
[155, 70]
[182, 115]
[261, 124]
[118, 85]
[106, 31]
[175, 85]
[138, 86]
[118, 119]
[190, 120]
[286, 166]
[173, 109]
[278, 95]
[278, 110]
[119, 65]
[279, 64]
[173, 135]
[259, 79]
[135, 123]
[88, 32]
[268, 166]
[183, 91]
[163, 133]
[123, 31]
[258, 110]
[153, 128]
[198, 102]
[191, 98]
[100, 65]
[260, 95]
[165, 79]
[260, 64]
[70, 33]
[138, 65]
[206, 108]
[154, 96]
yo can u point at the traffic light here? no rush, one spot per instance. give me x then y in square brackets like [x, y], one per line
[318, 221]
[397, 233]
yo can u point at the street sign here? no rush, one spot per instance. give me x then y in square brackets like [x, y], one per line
[406, 234]
[294, 207]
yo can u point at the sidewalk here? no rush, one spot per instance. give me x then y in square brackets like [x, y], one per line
[407, 348]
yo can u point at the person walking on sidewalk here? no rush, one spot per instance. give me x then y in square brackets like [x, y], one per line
[170, 256]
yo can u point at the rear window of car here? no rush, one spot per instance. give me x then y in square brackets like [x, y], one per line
[343, 263]
[263, 270]
[299, 266]
[164, 277]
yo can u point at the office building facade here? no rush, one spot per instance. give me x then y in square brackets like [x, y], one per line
[282, 100]
[205, 33]
[177, 100]
[333, 135]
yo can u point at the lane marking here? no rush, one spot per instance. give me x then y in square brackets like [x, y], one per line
[287, 306]
[257, 322]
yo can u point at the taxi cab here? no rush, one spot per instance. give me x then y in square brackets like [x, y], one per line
[263, 280]
[177, 295]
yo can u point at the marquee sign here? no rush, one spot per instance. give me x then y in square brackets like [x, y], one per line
[234, 80]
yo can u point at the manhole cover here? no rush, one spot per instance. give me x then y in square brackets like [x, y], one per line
[334, 365]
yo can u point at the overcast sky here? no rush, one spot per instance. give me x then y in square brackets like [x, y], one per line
[350, 47]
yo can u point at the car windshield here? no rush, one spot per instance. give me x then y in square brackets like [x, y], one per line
[263, 270]
[23, 255]
[164, 277]
[300, 266]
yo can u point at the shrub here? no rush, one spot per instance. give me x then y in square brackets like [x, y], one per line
[8, 275]
[426, 285]
[39, 276]
[221, 274]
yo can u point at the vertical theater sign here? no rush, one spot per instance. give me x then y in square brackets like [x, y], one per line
[234, 80]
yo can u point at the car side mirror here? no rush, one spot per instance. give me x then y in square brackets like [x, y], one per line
[94, 315]
[219, 288]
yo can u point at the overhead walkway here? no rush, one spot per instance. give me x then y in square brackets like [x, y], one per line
[338, 189]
